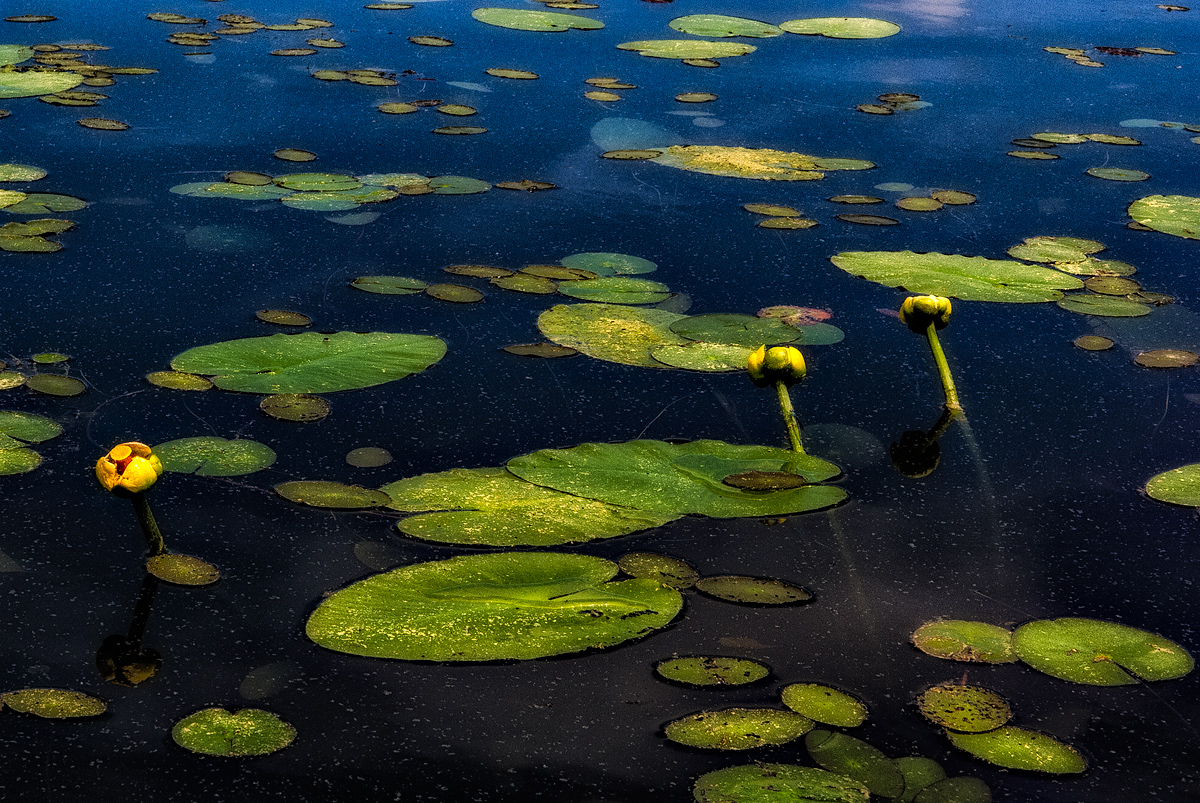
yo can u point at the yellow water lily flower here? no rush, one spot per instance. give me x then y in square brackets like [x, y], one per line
[776, 364]
[131, 466]
[920, 311]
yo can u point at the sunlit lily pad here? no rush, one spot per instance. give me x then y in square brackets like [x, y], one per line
[1178, 215]
[42, 203]
[311, 362]
[1055, 249]
[54, 703]
[609, 264]
[36, 82]
[431, 41]
[611, 332]
[524, 283]
[680, 478]
[722, 26]
[777, 783]
[697, 356]
[959, 640]
[11, 379]
[526, 185]
[842, 27]
[527, 20]
[1104, 306]
[712, 670]
[665, 569]
[96, 123]
[917, 204]
[774, 210]
[389, 285]
[1093, 343]
[492, 507]
[323, 493]
[854, 758]
[14, 172]
[1179, 486]
[683, 49]
[969, 709]
[18, 428]
[283, 317]
[492, 607]
[177, 380]
[219, 732]
[788, 223]
[1020, 749]
[752, 590]
[460, 130]
[738, 728]
[505, 72]
[1034, 155]
[824, 704]
[968, 278]
[182, 570]
[616, 290]
[756, 163]
[748, 331]
[294, 155]
[632, 154]
[55, 384]
[954, 197]
[458, 185]
[213, 456]
[14, 54]
[1099, 653]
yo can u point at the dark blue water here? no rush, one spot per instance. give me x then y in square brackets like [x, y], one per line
[1041, 518]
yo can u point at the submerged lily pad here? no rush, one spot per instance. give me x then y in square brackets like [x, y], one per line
[824, 704]
[220, 732]
[492, 507]
[389, 285]
[54, 703]
[183, 570]
[969, 709]
[527, 20]
[685, 49]
[1099, 653]
[842, 27]
[960, 640]
[712, 670]
[311, 362]
[212, 456]
[492, 607]
[1178, 215]
[968, 278]
[723, 26]
[738, 728]
[755, 163]
[921, 773]
[323, 493]
[1020, 749]
[665, 569]
[777, 783]
[752, 590]
[854, 758]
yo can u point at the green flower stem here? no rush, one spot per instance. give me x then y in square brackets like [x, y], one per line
[150, 529]
[939, 357]
[789, 416]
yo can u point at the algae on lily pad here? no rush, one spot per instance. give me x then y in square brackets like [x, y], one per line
[1020, 749]
[678, 479]
[527, 20]
[703, 670]
[212, 456]
[968, 278]
[1178, 215]
[825, 704]
[687, 48]
[854, 758]
[493, 507]
[697, 356]
[842, 27]
[504, 606]
[611, 332]
[755, 163]
[722, 26]
[968, 709]
[311, 362]
[220, 732]
[777, 783]
[738, 728]
[54, 703]
[960, 640]
[616, 290]
[1179, 486]
[920, 773]
[1099, 653]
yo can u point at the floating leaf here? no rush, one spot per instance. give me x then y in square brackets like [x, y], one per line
[13, 172]
[963, 789]
[490, 506]
[752, 590]
[389, 285]
[525, 20]
[1034, 155]
[177, 380]
[1179, 486]
[1117, 174]
[54, 703]
[669, 571]
[756, 163]
[283, 317]
[430, 41]
[323, 493]
[697, 356]
[212, 456]
[504, 72]
[1099, 653]
[523, 283]
[456, 293]
[968, 278]
[712, 671]
[1093, 343]
[36, 82]
[368, 457]
[1105, 306]
[869, 220]
[396, 108]
[492, 607]
[1178, 215]
[854, 758]
[960, 640]
[683, 49]
[611, 332]
[294, 155]
[1055, 249]
[299, 407]
[98, 123]
[921, 773]
[953, 197]
[55, 385]
[543, 350]
[458, 185]
[219, 732]
[825, 704]
[722, 26]
[616, 290]
[479, 271]
[678, 479]
[183, 570]
[631, 154]
[774, 210]
[787, 223]
[695, 97]
[311, 362]
[25, 428]
[748, 331]
[1020, 749]
[969, 709]
[738, 728]
[856, 199]
[919, 204]
[41, 203]
[609, 264]
[842, 27]
[777, 783]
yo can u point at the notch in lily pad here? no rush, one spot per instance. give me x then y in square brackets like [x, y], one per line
[1099, 653]
[232, 734]
[963, 640]
[214, 456]
[669, 571]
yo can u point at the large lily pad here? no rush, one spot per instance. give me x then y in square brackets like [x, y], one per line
[311, 362]
[14, 54]
[526, 20]
[679, 479]
[1099, 653]
[756, 163]
[960, 640]
[212, 456]
[842, 27]
[493, 507]
[36, 82]
[1171, 214]
[17, 430]
[604, 263]
[687, 48]
[723, 26]
[611, 332]
[777, 783]
[1179, 486]
[748, 331]
[1020, 749]
[738, 728]
[968, 278]
[504, 606]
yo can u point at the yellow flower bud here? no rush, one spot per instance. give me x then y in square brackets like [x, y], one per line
[129, 466]
[920, 311]
[776, 364]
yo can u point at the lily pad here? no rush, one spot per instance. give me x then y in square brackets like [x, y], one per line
[854, 758]
[777, 783]
[42, 203]
[825, 704]
[968, 278]
[697, 356]
[738, 728]
[1099, 653]
[183, 570]
[323, 493]
[609, 264]
[1093, 343]
[220, 732]
[18, 429]
[1178, 215]
[1117, 173]
[963, 789]
[752, 590]
[368, 457]
[492, 507]
[683, 49]
[842, 27]
[212, 456]
[748, 331]
[722, 26]
[678, 479]
[526, 20]
[1104, 306]
[1020, 749]
[36, 82]
[755, 163]
[14, 172]
[458, 185]
[454, 293]
[616, 290]
[311, 362]
[665, 569]
[921, 773]
[523, 283]
[1055, 249]
[492, 607]
[55, 384]
[299, 407]
[611, 332]
[712, 671]
[389, 285]
[1179, 486]
[54, 703]
[968, 709]
[541, 350]
[960, 640]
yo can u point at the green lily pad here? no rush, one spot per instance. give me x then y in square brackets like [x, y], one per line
[1055, 249]
[212, 456]
[678, 479]
[18, 428]
[738, 728]
[311, 362]
[299, 407]
[13, 172]
[665, 569]
[458, 185]
[685, 49]
[611, 332]
[14, 54]
[696, 356]
[229, 189]
[1112, 285]
[524, 283]
[323, 493]
[755, 163]
[1178, 215]
[18, 460]
[748, 331]
[746, 590]
[968, 709]
[320, 201]
[1060, 138]
[317, 182]
[854, 758]
[825, 704]
[54, 703]
[1099, 653]
[773, 210]
[454, 293]
[616, 290]
[712, 671]
[1179, 486]
[36, 82]
[220, 732]
[43, 203]
[968, 278]
[842, 27]
[183, 570]
[368, 457]
[777, 783]
[1020, 749]
[55, 384]
[921, 773]
[492, 507]
[609, 264]
[1117, 173]
[389, 285]
[1104, 306]
[960, 640]
[963, 789]
[459, 130]
[787, 223]
[502, 606]
[525, 20]
[722, 26]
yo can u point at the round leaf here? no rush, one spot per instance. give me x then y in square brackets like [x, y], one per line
[212, 456]
[609, 264]
[616, 290]
[1020, 749]
[1099, 653]
[752, 590]
[183, 570]
[1103, 306]
[960, 640]
[526, 20]
[968, 278]
[824, 704]
[712, 671]
[611, 332]
[1178, 215]
[1179, 486]
[777, 783]
[969, 709]
[854, 758]
[686, 49]
[738, 728]
[723, 26]
[842, 27]
[219, 732]
[669, 571]
[322, 493]
[53, 703]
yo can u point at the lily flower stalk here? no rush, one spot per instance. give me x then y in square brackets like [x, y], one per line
[129, 469]
[781, 366]
[926, 315]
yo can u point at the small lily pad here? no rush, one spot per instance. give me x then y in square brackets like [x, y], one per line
[764, 480]
[431, 41]
[54, 703]
[959, 640]
[102, 124]
[177, 380]
[1099, 653]
[543, 350]
[1117, 173]
[456, 293]
[854, 758]
[458, 185]
[55, 385]
[283, 317]
[526, 185]
[479, 271]
[968, 709]
[389, 285]
[368, 457]
[825, 704]
[665, 569]
[787, 223]
[527, 20]
[752, 590]
[183, 570]
[212, 456]
[323, 493]
[616, 290]
[604, 263]
[1103, 306]
[738, 728]
[687, 49]
[631, 154]
[505, 72]
[918, 204]
[777, 783]
[397, 108]
[220, 732]
[774, 210]
[695, 97]
[558, 272]
[294, 155]
[15, 172]
[712, 671]
[1020, 749]
[755, 163]
[869, 220]
[1093, 343]
[523, 283]
[842, 27]
[953, 197]
[299, 407]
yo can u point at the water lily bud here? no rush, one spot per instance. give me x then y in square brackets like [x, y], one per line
[130, 466]
[776, 364]
[920, 311]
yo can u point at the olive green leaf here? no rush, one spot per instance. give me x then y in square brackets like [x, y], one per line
[968, 278]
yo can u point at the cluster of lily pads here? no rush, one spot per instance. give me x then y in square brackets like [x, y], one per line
[30, 236]
[778, 216]
[41, 378]
[1044, 140]
[738, 162]
[1080, 56]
